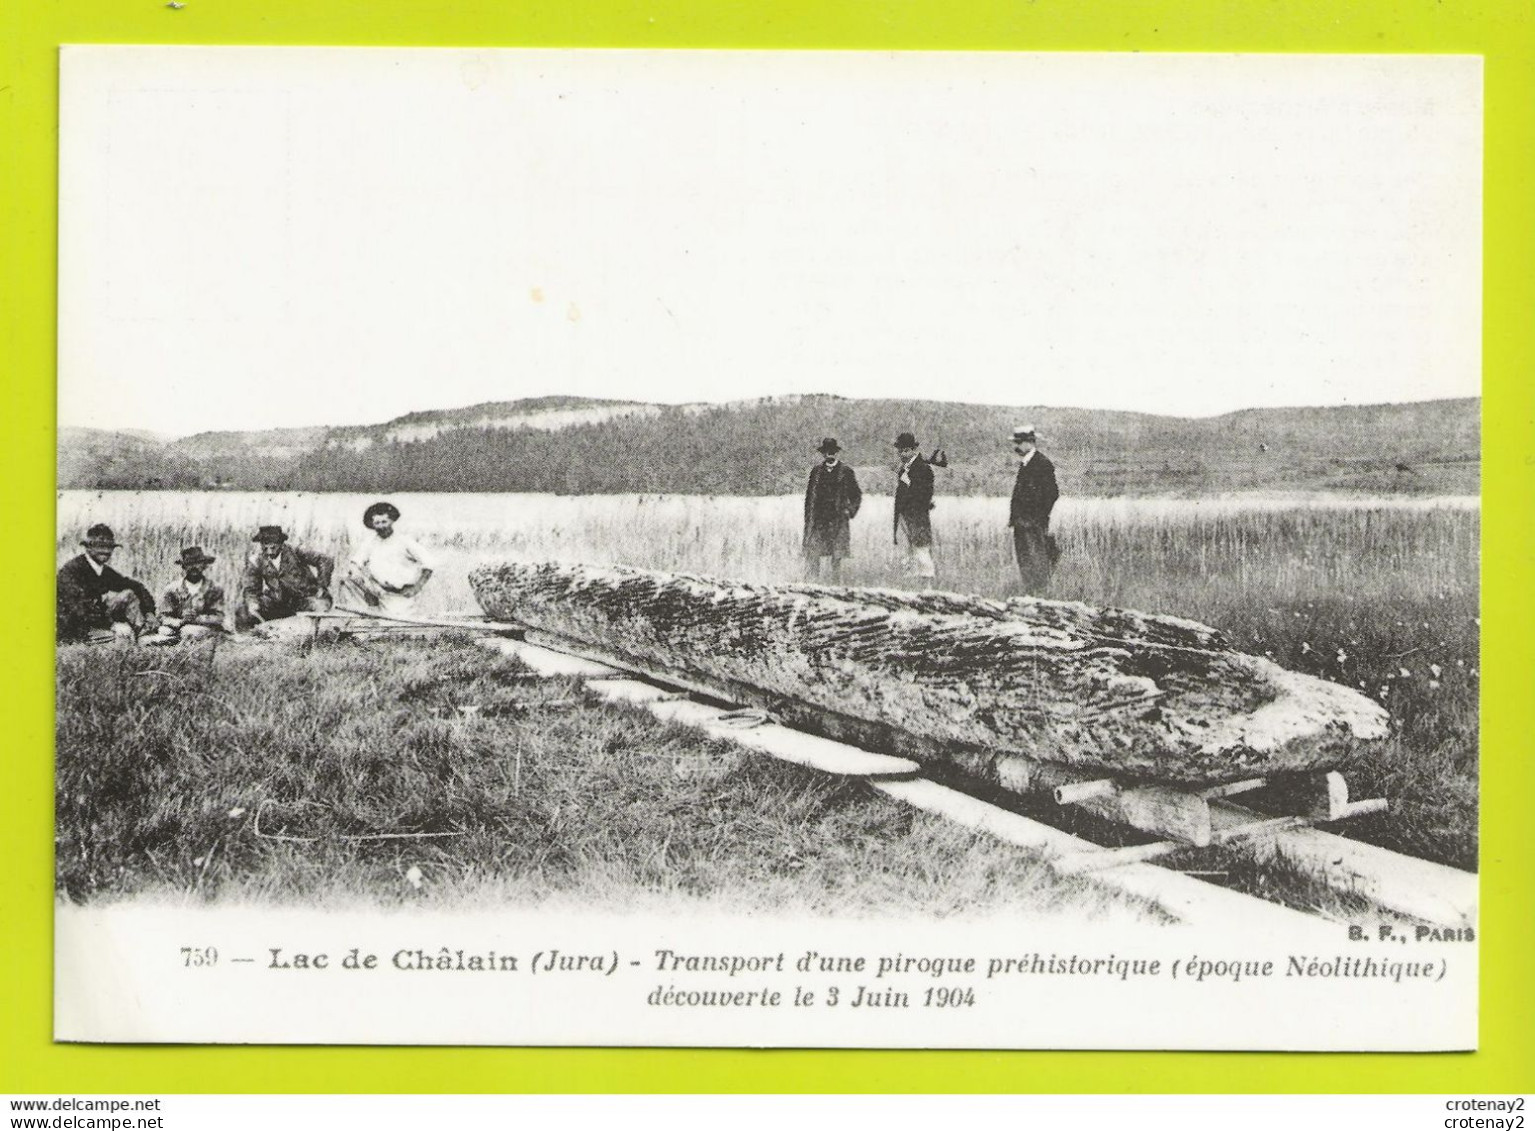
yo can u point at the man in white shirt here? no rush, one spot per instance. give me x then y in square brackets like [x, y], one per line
[389, 570]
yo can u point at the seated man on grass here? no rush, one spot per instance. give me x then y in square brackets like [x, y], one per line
[388, 570]
[281, 581]
[193, 608]
[96, 604]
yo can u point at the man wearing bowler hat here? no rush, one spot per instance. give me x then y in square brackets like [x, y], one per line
[832, 498]
[281, 580]
[193, 608]
[913, 501]
[389, 568]
[1034, 496]
[96, 604]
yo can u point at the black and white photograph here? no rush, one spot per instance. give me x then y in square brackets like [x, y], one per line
[786, 549]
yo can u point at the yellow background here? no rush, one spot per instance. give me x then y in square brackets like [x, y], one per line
[1501, 30]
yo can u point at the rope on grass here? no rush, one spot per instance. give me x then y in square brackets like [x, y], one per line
[261, 808]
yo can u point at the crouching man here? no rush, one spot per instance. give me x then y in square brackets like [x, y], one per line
[96, 604]
[193, 608]
[281, 580]
[389, 569]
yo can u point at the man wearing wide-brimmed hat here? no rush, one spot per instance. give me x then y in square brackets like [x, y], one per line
[281, 580]
[913, 501]
[832, 498]
[193, 608]
[1034, 496]
[96, 604]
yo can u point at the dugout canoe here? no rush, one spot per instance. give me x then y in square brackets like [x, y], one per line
[948, 676]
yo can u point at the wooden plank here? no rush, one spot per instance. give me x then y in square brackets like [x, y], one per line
[1190, 900]
[483, 624]
[546, 661]
[1421, 889]
[1116, 857]
[769, 738]
[1231, 789]
[657, 672]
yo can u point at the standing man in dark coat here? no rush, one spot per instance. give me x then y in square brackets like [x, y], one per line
[281, 580]
[913, 501]
[96, 604]
[831, 500]
[1034, 496]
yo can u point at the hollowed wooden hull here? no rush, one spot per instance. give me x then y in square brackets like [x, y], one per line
[960, 678]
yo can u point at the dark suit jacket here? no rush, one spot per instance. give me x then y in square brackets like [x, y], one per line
[1034, 493]
[206, 610]
[292, 576]
[79, 597]
[913, 500]
[832, 497]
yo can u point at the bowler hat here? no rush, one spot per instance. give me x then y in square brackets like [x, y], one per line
[829, 447]
[1024, 432]
[100, 535]
[193, 555]
[381, 508]
[269, 534]
[906, 440]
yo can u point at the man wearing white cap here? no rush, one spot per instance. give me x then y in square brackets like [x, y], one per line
[1034, 496]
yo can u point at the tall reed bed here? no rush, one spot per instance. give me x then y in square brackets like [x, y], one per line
[1169, 555]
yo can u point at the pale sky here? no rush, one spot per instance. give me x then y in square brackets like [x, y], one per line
[265, 237]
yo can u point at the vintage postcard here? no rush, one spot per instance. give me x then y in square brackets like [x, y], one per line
[768, 549]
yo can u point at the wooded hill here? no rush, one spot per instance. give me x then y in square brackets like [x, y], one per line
[576, 446]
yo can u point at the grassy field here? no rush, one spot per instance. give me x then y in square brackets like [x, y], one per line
[1379, 595]
[438, 772]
